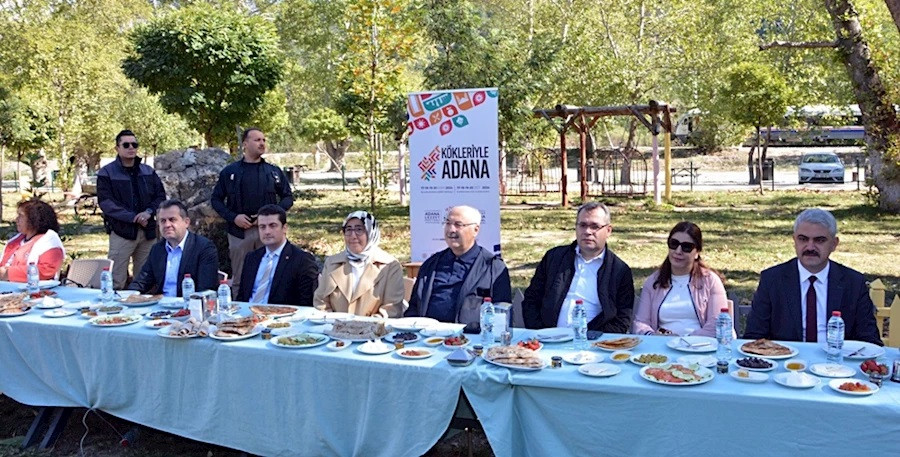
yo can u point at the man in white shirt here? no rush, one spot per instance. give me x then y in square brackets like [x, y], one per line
[795, 299]
[586, 269]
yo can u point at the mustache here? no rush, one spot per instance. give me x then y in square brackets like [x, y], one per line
[452, 235]
[811, 253]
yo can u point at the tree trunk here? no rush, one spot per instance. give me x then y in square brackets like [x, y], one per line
[336, 150]
[751, 168]
[628, 149]
[878, 115]
[894, 7]
[759, 170]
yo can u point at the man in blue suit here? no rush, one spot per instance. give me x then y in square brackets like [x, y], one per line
[794, 300]
[180, 252]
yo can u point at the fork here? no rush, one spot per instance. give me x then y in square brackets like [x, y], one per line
[856, 352]
[692, 345]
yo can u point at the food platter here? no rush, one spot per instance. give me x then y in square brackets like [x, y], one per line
[583, 357]
[796, 380]
[311, 340]
[333, 345]
[256, 330]
[374, 348]
[115, 321]
[836, 384]
[741, 367]
[831, 370]
[707, 361]
[412, 324]
[694, 375]
[280, 327]
[793, 352]
[164, 332]
[157, 324]
[327, 318]
[464, 342]
[616, 344]
[47, 303]
[861, 350]
[21, 312]
[599, 370]
[516, 367]
[555, 335]
[273, 311]
[636, 359]
[138, 300]
[753, 377]
[415, 353]
[389, 338]
[59, 312]
[693, 344]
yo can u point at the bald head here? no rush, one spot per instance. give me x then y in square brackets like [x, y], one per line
[461, 228]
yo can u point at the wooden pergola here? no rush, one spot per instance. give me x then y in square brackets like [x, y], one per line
[656, 116]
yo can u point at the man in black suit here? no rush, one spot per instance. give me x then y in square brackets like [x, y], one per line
[180, 252]
[587, 270]
[279, 272]
[795, 299]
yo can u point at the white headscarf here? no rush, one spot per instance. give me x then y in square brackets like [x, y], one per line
[372, 231]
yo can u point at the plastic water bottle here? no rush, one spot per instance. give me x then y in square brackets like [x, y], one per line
[579, 326]
[223, 302]
[106, 285]
[724, 328]
[487, 323]
[34, 279]
[187, 288]
[835, 337]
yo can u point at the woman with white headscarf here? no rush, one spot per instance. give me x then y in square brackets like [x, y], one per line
[363, 279]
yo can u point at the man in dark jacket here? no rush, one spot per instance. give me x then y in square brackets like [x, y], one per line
[244, 187]
[180, 252]
[128, 193]
[586, 269]
[451, 284]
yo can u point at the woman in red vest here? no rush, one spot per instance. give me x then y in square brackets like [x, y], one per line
[37, 241]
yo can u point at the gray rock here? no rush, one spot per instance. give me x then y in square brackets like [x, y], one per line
[190, 176]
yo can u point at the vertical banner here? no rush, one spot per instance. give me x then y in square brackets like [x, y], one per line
[454, 160]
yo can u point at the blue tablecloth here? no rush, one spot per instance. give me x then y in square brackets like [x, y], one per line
[245, 394]
[560, 412]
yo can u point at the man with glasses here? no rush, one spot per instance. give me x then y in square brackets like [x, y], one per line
[795, 299]
[128, 192]
[452, 283]
[279, 272]
[586, 269]
[243, 188]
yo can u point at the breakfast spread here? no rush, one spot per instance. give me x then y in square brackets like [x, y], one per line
[765, 347]
[236, 328]
[676, 374]
[514, 355]
[357, 330]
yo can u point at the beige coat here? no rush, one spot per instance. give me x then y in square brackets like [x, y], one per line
[378, 293]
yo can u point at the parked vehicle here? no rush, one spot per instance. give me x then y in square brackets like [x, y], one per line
[821, 167]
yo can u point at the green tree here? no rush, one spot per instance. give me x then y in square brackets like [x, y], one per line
[211, 66]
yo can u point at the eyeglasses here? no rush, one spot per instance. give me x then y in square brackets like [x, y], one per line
[459, 225]
[127, 145]
[686, 246]
[355, 229]
[591, 227]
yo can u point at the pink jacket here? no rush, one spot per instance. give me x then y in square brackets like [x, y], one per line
[707, 293]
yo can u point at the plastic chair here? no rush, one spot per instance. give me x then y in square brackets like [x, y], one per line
[86, 272]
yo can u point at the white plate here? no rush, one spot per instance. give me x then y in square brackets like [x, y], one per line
[152, 323]
[774, 366]
[322, 339]
[291, 328]
[705, 374]
[375, 348]
[515, 367]
[443, 329]
[707, 344]
[59, 312]
[332, 346]
[707, 361]
[172, 302]
[425, 353]
[836, 383]
[634, 359]
[412, 324]
[793, 353]
[43, 284]
[583, 357]
[754, 377]
[122, 301]
[599, 370]
[831, 370]
[869, 350]
[389, 338]
[164, 332]
[329, 318]
[48, 303]
[555, 335]
[17, 313]
[256, 330]
[796, 379]
[129, 319]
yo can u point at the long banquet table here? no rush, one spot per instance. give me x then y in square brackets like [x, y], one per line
[269, 401]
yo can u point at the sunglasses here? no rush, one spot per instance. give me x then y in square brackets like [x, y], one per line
[127, 145]
[686, 246]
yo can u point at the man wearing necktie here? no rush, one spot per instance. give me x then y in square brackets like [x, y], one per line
[279, 272]
[795, 299]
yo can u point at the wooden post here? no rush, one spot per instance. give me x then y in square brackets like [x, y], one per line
[876, 293]
[667, 145]
[563, 159]
[583, 166]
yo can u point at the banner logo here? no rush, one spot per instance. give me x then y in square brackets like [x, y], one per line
[428, 165]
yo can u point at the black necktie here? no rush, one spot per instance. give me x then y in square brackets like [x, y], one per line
[811, 328]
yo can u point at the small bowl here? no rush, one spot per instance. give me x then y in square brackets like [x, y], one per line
[434, 341]
[466, 342]
[620, 356]
[333, 345]
[795, 365]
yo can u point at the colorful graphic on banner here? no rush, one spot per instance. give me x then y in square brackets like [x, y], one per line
[453, 141]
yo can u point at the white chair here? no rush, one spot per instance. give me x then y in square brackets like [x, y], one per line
[86, 272]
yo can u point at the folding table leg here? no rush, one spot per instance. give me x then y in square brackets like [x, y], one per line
[37, 425]
[57, 425]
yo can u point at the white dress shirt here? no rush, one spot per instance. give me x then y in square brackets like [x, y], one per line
[821, 286]
[276, 254]
[583, 286]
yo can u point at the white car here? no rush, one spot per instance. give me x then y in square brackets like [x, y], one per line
[821, 167]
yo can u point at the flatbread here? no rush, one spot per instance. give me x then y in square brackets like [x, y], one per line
[355, 330]
[12, 303]
[514, 355]
[765, 347]
[626, 342]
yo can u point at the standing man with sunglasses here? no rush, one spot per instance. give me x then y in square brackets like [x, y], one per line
[244, 187]
[586, 269]
[128, 192]
[451, 284]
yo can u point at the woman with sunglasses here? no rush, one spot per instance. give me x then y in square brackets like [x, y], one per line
[684, 296]
[363, 280]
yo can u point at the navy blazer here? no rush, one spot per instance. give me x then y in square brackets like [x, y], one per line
[295, 279]
[776, 310]
[199, 259]
[553, 277]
